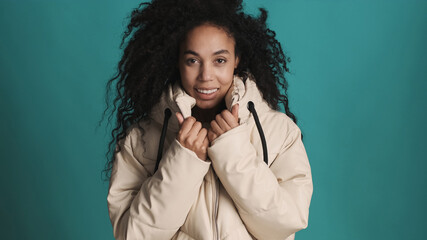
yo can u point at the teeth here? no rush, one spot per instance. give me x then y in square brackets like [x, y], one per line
[207, 91]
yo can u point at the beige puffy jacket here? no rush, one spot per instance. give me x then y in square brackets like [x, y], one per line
[235, 196]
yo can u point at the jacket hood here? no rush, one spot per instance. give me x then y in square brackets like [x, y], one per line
[177, 100]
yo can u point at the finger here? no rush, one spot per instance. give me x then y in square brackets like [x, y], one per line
[179, 117]
[235, 111]
[186, 126]
[211, 136]
[229, 119]
[194, 131]
[221, 121]
[201, 136]
[216, 128]
[202, 133]
[206, 143]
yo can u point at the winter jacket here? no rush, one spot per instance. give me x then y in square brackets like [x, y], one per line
[235, 195]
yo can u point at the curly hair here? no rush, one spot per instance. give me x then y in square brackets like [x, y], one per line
[151, 46]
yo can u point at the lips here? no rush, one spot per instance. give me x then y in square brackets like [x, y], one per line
[206, 91]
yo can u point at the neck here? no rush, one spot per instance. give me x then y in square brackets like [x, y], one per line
[207, 115]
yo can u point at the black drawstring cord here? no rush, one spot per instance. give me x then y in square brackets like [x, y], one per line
[168, 114]
[251, 108]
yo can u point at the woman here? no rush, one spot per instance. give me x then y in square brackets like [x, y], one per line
[228, 165]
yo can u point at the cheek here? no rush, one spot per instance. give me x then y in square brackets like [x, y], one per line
[187, 80]
[188, 72]
[185, 75]
[227, 76]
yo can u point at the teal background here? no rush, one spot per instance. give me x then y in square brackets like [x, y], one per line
[358, 86]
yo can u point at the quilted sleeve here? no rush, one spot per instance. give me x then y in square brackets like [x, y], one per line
[273, 201]
[142, 206]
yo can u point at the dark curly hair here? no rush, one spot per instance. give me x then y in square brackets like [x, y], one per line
[151, 46]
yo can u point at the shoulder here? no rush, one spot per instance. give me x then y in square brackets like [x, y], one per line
[279, 129]
[279, 121]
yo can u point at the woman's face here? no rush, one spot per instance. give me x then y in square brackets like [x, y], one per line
[206, 63]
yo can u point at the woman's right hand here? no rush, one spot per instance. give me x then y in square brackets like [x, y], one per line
[193, 136]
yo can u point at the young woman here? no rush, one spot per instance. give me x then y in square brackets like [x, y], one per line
[227, 165]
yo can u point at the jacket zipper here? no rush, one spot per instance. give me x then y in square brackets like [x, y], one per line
[215, 215]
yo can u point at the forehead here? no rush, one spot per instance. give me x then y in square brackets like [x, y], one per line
[208, 38]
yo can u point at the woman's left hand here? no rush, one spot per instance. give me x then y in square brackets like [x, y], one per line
[224, 122]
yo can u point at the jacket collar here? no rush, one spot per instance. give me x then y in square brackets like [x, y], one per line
[177, 100]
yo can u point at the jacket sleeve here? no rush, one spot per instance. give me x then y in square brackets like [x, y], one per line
[273, 202]
[153, 207]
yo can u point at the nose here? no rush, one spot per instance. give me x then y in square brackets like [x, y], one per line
[206, 73]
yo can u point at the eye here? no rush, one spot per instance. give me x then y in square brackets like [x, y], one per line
[221, 60]
[191, 61]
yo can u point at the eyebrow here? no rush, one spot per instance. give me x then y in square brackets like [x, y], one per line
[222, 51]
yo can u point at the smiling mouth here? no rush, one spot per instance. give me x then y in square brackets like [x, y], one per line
[207, 91]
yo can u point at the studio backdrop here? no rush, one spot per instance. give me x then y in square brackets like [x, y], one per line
[357, 84]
